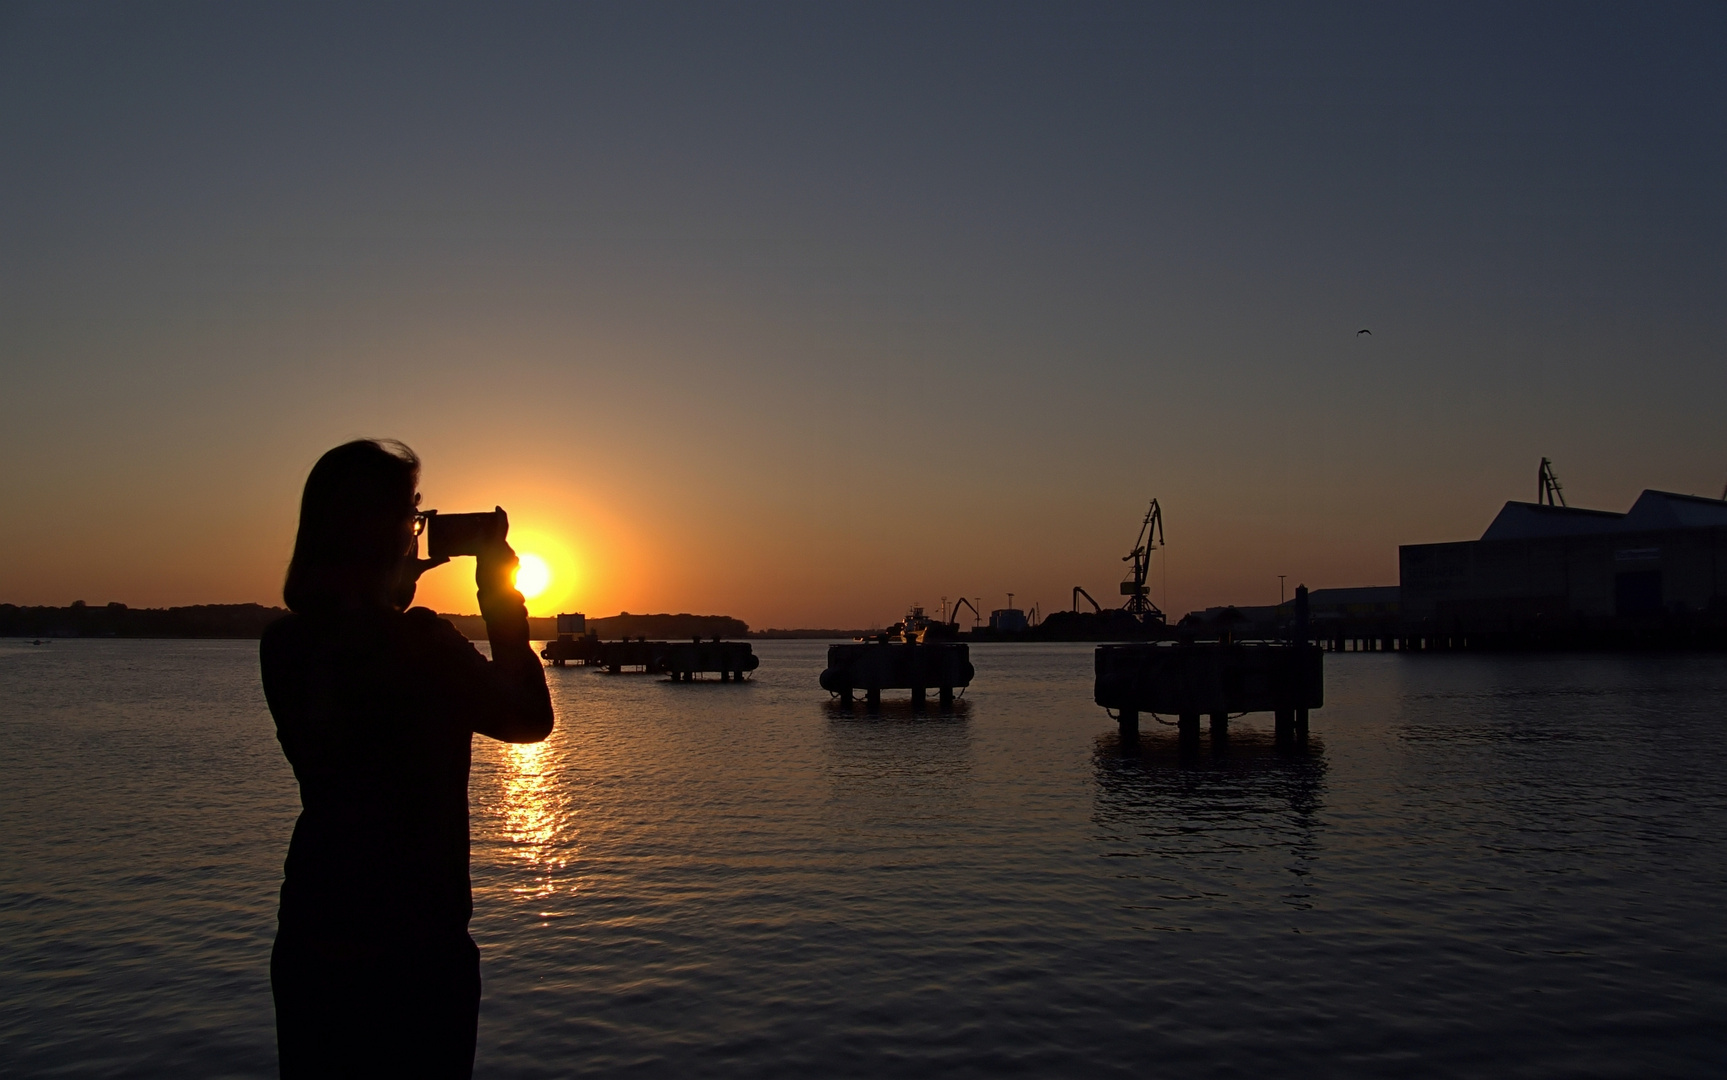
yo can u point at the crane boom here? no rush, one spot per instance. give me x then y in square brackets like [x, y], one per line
[1150, 538]
[975, 616]
[1547, 488]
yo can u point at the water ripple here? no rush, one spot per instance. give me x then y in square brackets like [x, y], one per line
[1477, 866]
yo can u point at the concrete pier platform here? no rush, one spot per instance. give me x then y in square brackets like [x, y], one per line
[684, 661]
[572, 649]
[1216, 679]
[874, 666]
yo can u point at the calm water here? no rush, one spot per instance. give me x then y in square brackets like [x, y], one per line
[1508, 867]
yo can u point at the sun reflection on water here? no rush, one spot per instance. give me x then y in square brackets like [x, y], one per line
[532, 816]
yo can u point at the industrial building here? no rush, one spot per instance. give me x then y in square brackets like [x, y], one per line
[1376, 603]
[1546, 566]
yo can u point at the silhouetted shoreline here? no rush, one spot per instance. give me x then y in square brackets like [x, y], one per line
[118, 620]
[623, 625]
[81, 620]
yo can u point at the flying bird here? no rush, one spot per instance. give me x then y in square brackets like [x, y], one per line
[1369, 333]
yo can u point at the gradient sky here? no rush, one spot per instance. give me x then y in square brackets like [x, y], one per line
[801, 313]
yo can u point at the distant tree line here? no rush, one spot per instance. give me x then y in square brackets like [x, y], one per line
[668, 627]
[614, 627]
[249, 621]
[118, 620]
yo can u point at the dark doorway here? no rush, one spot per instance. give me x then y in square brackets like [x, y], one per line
[1637, 593]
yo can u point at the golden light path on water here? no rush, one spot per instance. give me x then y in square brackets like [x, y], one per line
[532, 811]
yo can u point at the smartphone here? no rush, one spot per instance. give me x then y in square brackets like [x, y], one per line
[451, 535]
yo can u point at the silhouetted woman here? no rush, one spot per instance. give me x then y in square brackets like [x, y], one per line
[374, 972]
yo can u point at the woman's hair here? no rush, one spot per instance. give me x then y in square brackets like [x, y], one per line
[350, 544]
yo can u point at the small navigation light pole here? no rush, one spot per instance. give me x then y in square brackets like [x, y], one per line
[1280, 578]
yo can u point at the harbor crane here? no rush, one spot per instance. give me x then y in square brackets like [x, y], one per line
[1133, 587]
[1547, 489]
[1079, 592]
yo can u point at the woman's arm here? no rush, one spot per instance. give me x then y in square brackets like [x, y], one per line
[523, 713]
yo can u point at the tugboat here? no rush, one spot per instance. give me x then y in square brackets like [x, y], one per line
[918, 628]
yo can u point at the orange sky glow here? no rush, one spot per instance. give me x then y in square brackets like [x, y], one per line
[807, 319]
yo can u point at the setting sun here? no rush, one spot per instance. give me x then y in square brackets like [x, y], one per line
[532, 576]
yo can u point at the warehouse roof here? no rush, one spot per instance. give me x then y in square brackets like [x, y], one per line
[1664, 510]
[1533, 521]
[1653, 511]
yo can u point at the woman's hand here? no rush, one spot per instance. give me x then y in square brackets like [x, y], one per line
[495, 567]
[408, 579]
[417, 566]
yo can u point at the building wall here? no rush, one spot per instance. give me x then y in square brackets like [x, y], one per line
[1429, 574]
[1593, 577]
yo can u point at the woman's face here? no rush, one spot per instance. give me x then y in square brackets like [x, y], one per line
[408, 568]
[410, 529]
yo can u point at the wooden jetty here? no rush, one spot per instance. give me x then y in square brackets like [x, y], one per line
[874, 666]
